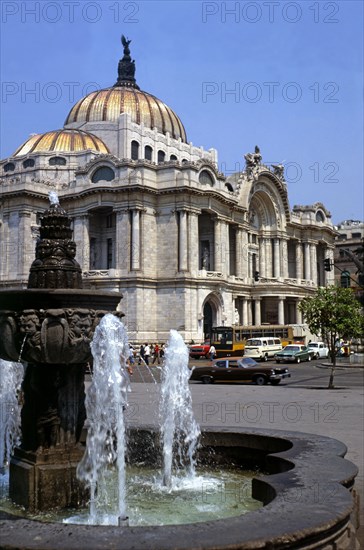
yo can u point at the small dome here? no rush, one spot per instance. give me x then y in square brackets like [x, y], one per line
[62, 141]
[110, 103]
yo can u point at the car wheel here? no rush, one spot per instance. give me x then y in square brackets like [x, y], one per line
[298, 360]
[265, 358]
[317, 355]
[275, 382]
[206, 380]
[309, 358]
[260, 380]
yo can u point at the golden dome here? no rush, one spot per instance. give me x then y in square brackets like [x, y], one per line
[62, 141]
[110, 103]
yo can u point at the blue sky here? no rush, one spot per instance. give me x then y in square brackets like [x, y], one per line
[287, 76]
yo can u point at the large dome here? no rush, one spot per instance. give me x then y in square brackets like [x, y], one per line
[110, 103]
[126, 97]
[62, 141]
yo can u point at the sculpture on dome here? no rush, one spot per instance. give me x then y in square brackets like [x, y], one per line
[252, 161]
[126, 67]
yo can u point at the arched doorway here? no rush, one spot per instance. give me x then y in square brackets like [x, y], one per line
[207, 321]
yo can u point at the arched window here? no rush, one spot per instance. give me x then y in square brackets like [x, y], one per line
[205, 178]
[184, 161]
[161, 156]
[134, 150]
[229, 187]
[9, 167]
[57, 161]
[148, 152]
[173, 157]
[104, 173]
[28, 163]
[319, 216]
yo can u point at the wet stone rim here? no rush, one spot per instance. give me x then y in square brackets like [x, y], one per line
[307, 495]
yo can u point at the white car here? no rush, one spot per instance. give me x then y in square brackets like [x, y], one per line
[322, 351]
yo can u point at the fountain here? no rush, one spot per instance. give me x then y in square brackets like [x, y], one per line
[50, 325]
[179, 429]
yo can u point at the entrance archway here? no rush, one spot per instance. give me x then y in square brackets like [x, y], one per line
[207, 321]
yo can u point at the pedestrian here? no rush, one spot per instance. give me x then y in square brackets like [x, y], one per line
[156, 354]
[130, 360]
[161, 352]
[146, 354]
[212, 352]
[141, 354]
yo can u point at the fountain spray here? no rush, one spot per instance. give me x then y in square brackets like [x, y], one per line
[106, 401]
[179, 429]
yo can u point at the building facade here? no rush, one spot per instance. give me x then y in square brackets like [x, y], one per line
[154, 218]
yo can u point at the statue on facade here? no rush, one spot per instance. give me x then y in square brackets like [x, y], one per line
[278, 170]
[206, 258]
[252, 161]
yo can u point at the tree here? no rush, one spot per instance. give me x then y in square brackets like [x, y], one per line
[334, 313]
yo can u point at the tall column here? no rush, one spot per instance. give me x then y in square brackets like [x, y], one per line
[24, 244]
[238, 252]
[280, 310]
[82, 239]
[4, 248]
[249, 308]
[307, 262]
[245, 320]
[226, 250]
[262, 258]
[284, 258]
[244, 254]
[298, 313]
[276, 259]
[268, 258]
[313, 259]
[257, 311]
[218, 245]
[123, 245]
[299, 260]
[193, 240]
[135, 240]
[182, 241]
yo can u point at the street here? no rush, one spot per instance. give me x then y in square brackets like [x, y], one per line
[301, 403]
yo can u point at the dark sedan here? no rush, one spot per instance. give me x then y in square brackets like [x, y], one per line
[244, 369]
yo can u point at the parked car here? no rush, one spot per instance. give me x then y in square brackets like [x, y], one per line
[198, 351]
[234, 369]
[295, 353]
[320, 349]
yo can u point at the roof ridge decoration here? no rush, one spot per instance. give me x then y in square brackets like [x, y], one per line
[126, 68]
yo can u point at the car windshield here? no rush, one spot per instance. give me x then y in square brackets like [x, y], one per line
[252, 342]
[246, 362]
[313, 345]
[292, 348]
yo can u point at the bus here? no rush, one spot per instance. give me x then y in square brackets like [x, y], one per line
[230, 341]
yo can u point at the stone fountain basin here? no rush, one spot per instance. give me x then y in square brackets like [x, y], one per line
[52, 326]
[308, 500]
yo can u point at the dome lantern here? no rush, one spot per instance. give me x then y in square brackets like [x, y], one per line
[126, 68]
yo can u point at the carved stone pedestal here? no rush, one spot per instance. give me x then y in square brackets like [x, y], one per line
[42, 481]
[43, 470]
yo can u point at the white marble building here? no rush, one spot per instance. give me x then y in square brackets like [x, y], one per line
[154, 219]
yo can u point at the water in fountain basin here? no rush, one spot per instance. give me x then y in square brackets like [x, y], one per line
[11, 377]
[106, 401]
[179, 429]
